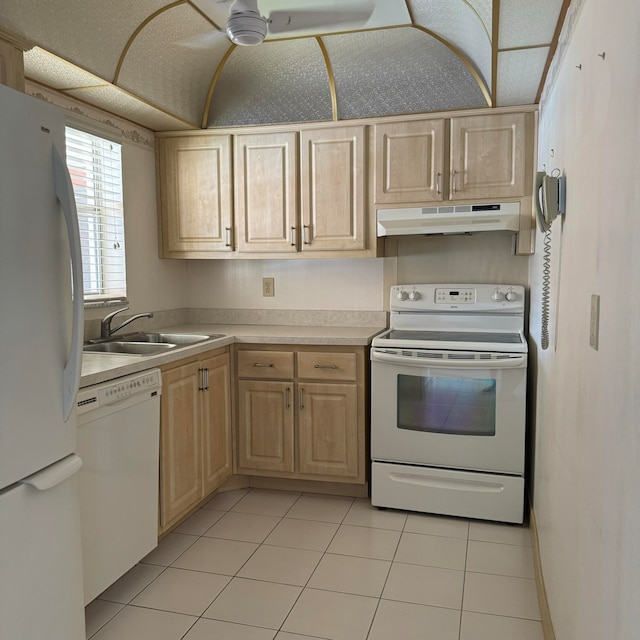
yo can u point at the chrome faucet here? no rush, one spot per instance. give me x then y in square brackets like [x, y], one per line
[105, 324]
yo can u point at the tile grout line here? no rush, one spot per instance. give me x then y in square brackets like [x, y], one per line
[464, 580]
[375, 613]
[280, 628]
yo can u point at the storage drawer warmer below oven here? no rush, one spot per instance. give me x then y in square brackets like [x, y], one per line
[466, 494]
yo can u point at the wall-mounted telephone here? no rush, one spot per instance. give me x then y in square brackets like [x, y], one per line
[549, 196]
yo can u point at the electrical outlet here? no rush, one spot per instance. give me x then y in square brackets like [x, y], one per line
[594, 323]
[268, 288]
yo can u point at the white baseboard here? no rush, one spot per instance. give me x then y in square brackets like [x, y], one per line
[545, 614]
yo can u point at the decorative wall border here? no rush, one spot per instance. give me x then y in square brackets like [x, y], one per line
[129, 133]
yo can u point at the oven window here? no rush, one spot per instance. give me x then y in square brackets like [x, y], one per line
[460, 406]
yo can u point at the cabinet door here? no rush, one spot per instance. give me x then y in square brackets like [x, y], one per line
[332, 189]
[265, 426]
[216, 422]
[195, 195]
[266, 192]
[179, 442]
[409, 161]
[327, 429]
[488, 156]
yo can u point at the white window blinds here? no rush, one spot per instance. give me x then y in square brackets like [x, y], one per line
[95, 166]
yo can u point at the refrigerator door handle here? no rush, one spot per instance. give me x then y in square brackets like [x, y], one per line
[54, 474]
[73, 367]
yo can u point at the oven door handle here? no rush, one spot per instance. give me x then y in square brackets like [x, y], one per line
[508, 363]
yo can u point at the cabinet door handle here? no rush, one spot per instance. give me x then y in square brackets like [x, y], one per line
[288, 398]
[292, 236]
[201, 383]
[438, 176]
[206, 377]
[263, 364]
[301, 398]
[306, 233]
[454, 186]
[227, 233]
[325, 366]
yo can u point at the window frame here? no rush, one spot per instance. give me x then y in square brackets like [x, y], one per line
[107, 133]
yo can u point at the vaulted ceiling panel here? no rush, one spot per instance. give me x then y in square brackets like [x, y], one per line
[515, 81]
[178, 74]
[396, 71]
[524, 23]
[284, 81]
[89, 33]
[462, 25]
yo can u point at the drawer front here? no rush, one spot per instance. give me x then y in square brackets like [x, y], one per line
[314, 365]
[265, 364]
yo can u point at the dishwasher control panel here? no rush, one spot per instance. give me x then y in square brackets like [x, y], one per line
[107, 393]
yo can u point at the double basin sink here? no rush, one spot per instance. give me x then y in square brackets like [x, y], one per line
[146, 343]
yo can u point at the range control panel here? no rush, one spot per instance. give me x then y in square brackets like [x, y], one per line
[451, 296]
[496, 298]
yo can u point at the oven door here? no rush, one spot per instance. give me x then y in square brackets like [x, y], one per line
[458, 410]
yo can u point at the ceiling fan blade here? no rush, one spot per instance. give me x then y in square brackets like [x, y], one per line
[240, 6]
[205, 40]
[285, 21]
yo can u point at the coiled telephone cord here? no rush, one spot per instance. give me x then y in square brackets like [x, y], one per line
[546, 290]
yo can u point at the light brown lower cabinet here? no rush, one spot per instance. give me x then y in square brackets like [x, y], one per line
[195, 432]
[301, 413]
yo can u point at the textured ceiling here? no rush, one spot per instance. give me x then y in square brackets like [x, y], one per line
[163, 64]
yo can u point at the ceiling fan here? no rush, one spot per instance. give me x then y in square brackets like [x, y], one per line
[247, 27]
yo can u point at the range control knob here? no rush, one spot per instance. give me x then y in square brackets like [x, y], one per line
[510, 296]
[401, 295]
[414, 295]
[497, 296]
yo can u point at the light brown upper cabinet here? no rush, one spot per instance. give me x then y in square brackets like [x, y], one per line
[332, 189]
[488, 156]
[266, 203]
[194, 178]
[462, 158]
[409, 161]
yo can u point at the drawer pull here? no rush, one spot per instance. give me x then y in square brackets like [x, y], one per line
[262, 364]
[325, 366]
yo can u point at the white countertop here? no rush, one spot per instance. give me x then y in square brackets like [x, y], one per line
[100, 367]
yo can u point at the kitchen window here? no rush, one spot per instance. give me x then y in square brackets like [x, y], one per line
[95, 165]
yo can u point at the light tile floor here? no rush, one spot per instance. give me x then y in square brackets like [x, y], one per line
[268, 565]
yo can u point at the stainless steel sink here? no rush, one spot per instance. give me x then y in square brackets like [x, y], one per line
[129, 348]
[171, 338]
[149, 343]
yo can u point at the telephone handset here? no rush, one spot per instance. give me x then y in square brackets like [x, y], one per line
[547, 199]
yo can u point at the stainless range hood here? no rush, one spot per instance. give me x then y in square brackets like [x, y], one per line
[462, 218]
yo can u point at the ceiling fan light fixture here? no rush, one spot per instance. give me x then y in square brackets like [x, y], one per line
[247, 28]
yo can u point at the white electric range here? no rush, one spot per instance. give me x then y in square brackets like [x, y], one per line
[448, 401]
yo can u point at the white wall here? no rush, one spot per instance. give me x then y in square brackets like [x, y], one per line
[354, 284]
[152, 284]
[587, 479]
[347, 284]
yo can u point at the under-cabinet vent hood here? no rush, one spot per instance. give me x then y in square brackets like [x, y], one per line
[461, 218]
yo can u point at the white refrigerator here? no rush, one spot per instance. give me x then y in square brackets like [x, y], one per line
[41, 334]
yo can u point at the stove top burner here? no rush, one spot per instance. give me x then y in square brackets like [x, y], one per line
[454, 336]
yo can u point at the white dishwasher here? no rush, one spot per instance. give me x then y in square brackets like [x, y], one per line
[119, 443]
